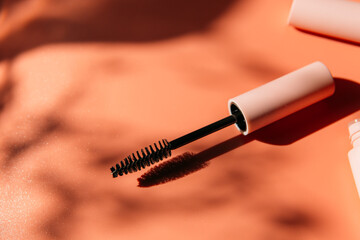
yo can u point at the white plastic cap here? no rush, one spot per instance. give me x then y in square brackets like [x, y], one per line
[335, 18]
[354, 131]
[281, 97]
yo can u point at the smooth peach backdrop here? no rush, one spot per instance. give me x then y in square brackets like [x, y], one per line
[84, 84]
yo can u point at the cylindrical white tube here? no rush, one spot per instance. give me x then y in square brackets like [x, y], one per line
[281, 97]
[354, 153]
[335, 18]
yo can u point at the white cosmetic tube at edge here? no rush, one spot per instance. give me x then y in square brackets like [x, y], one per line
[354, 153]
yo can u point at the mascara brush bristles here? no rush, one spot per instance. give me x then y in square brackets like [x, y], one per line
[148, 157]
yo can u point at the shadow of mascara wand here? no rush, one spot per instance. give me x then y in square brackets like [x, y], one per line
[150, 155]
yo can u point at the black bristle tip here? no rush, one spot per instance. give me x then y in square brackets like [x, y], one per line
[136, 162]
[113, 172]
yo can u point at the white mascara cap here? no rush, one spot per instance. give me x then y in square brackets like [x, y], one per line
[354, 131]
[281, 97]
[334, 18]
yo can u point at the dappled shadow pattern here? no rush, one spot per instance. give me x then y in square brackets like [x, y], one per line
[56, 225]
[15, 148]
[6, 93]
[108, 21]
[293, 219]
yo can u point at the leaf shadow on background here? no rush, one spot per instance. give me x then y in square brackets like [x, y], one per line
[17, 147]
[345, 101]
[43, 126]
[7, 87]
[110, 21]
[291, 221]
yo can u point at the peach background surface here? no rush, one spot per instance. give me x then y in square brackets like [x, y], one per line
[84, 83]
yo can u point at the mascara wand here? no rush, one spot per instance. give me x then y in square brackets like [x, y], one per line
[150, 155]
[249, 111]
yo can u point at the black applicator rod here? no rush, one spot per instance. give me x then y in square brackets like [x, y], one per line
[153, 154]
[202, 132]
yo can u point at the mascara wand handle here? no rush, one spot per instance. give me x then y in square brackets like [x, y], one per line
[202, 132]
